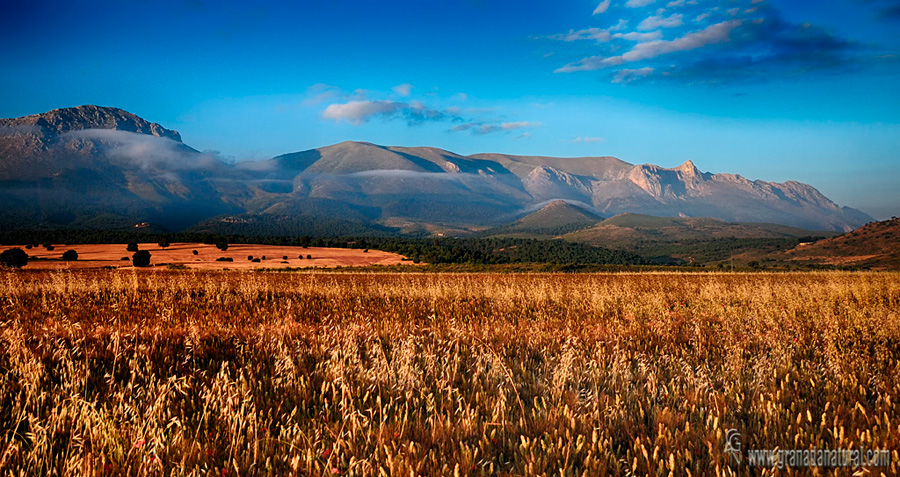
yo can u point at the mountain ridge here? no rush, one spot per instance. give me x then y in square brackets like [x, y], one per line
[108, 152]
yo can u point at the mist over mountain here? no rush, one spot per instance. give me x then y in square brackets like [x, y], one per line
[97, 165]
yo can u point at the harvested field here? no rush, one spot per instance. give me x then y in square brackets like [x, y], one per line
[110, 255]
[365, 374]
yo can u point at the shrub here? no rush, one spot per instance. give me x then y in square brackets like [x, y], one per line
[29, 247]
[284, 257]
[222, 245]
[194, 252]
[163, 242]
[48, 246]
[309, 257]
[263, 257]
[255, 260]
[250, 257]
[301, 257]
[131, 247]
[141, 258]
[13, 258]
[224, 259]
[124, 259]
[70, 255]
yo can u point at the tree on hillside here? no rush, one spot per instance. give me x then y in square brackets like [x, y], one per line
[13, 258]
[132, 246]
[141, 258]
[163, 242]
[70, 255]
[222, 245]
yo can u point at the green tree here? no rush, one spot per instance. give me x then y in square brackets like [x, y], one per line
[13, 258]
[141, 258]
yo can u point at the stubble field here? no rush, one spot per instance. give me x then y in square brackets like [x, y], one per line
[245, 373]
[95, 256]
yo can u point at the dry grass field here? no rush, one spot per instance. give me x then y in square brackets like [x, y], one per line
[110, 255]
[243, 373]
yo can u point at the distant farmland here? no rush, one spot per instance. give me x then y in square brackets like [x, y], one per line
[275, 256]
[239, 373]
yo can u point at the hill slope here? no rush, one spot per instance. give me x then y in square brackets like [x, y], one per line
[556, 218]
[875, 245]
[628, 231]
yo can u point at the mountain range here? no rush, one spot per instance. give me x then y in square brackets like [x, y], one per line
[94, 167]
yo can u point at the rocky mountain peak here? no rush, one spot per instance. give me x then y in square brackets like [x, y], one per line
[59, 121]
[688, 169]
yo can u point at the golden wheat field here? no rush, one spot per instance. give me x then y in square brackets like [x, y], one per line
[135, 372]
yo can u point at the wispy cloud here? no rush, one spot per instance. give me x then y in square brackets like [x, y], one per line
[596, 34]
[404, 90]
[642, 51]
[145, 151]
[488, 128]
[602, 8]
[628, 75]
[701, 41]
[320, 93]
[588, 140]
[657, 21]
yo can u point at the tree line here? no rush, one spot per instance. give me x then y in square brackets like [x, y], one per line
[432, 250]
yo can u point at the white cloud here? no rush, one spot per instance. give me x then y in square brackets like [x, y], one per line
[675, 3]
[597, 34]
[657, 21]
[358, 112]
[587, 34]
[701, 17]
[145, 151]
[638, 3]
[519, 125]
[588, 139]
[717, 33]
[640, 36]
[628, 75]
[604, 5]
[320, 93]
[403, 90]
[487, 128]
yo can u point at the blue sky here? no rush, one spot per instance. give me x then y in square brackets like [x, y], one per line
[769, 89]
